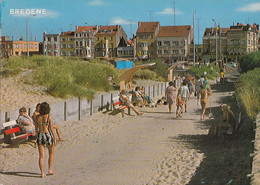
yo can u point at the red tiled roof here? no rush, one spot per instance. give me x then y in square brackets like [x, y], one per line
[67, 33]
[85, 28]
[174, 31]
[149, 27]
[108, 30]
[130, 42]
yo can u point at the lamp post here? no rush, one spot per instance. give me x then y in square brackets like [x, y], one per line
[216, 42]
[27, 35]
[194, 38]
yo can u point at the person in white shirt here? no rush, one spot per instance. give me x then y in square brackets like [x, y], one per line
[184, 94]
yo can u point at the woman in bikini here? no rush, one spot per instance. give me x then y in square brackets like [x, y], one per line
[179, 104]
[203, 101]
[45, 136]
[56, 127]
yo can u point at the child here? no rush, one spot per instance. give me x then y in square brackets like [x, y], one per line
[179, 104]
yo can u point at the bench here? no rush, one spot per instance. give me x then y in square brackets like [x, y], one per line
[13, 130]
[117, 107]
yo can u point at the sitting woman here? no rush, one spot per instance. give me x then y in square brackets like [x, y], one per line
[137, 98]
[125, 101]
[228, 120]
[25, 122]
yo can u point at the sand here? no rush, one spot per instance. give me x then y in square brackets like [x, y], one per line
[109, 150]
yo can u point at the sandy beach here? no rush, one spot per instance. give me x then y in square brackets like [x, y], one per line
[107, 150]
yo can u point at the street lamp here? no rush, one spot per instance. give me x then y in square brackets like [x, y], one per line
[194, 38]
[27, 35]
[216, 42]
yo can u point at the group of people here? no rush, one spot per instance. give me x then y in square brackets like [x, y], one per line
[41, 125]
[138, 98]
[201, 88]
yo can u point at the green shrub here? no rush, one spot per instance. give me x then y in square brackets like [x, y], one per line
[248, 91]
[249, 61]
[212, 72]
[145, 74]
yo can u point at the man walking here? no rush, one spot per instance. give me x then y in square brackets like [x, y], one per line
[184, 94]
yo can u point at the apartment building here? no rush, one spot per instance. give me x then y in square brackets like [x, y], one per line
[242, 39]
[84, 41]
[146, 39]
[17, 48]
[127, 50]
[198, 53]
[107, 40]
[172, 42]
[213, 43]
[51, 44]
[67, 45]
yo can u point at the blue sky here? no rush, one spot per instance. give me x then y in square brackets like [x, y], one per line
[63, 15]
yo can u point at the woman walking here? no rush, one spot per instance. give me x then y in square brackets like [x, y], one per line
[45, 136]
[203, 101]
[170, 95]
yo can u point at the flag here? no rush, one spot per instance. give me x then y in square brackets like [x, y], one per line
[218, 27]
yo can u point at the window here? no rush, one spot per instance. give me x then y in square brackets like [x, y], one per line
[183, 43]
[98, 39]
[183, 51]
[71, 45]
[111, 38]
[152, 36]
[111, 45]
[63, 39]
[80, 43]
[248, 42]
[145, 36]
[125, 52]
[104, 45]
[144, 52]
[231, 42]
[165, 52]
[141, 36]
[55, 38]
[105, 38]
[231, 50]
[49, 39]
[166, 43]
[175, 43]
[159, 52]
[63, 53]
[143, 44]
[72, 53]
[131, 52]
[70, 39]
[175, 52]
[242, 50]
[120, 52]
[159, 43]
[63, 46]
[237, 42]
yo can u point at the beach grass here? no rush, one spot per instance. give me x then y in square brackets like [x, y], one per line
[248, 91]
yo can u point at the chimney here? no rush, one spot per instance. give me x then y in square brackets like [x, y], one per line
[76, 27]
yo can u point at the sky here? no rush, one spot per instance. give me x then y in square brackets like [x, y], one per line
[63, 15]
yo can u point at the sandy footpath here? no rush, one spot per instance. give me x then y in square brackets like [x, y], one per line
[106, 149]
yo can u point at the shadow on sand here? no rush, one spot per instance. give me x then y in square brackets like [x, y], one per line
[22, 174]
[227, 158]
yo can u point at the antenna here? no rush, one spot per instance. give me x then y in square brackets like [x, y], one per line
[131, 21]
[173, 12]
[198, 30]
[151, 15]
